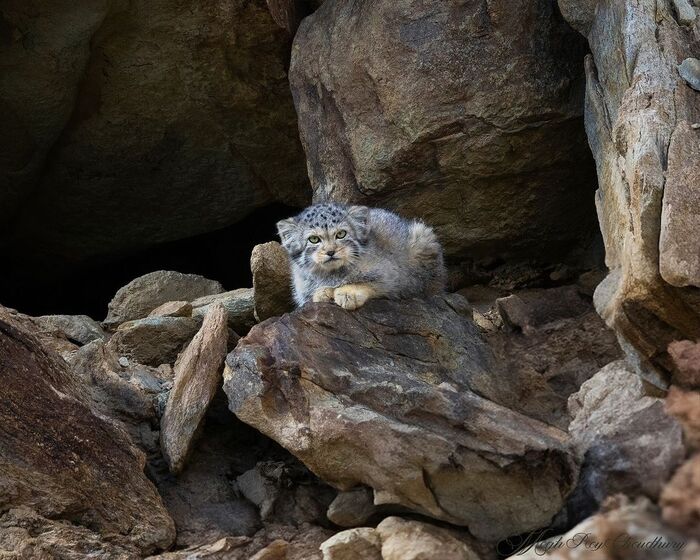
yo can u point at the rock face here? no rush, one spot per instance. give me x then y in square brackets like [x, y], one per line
[61, 461]
[167, 120]
[639, 117]
[197, 377]
[626, 440]
[447, 112]
[272, 280]
[145, 293]
[392, 396]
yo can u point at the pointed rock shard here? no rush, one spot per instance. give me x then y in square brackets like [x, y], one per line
[197, 376]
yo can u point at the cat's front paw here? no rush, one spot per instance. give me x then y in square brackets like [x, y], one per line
[323, 295]
[352, 296]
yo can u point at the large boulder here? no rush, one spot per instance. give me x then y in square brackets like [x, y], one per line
[62, 462]
[144, 294]
[402, 397]
[163, 120]
[639, 119]
[467, 115]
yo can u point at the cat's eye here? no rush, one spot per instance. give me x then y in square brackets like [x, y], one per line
[342, 233]
[314, 239]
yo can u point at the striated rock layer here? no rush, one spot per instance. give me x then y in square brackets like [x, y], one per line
[391, 396]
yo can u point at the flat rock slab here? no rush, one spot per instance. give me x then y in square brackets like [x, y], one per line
[197, 376]
[389, 396]
[239, 304]
[60, 460]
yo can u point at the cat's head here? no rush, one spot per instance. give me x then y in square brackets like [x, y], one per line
[325, 237]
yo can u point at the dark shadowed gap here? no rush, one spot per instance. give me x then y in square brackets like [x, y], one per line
[39, 288]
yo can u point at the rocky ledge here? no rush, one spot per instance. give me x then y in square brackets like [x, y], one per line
[402, 397]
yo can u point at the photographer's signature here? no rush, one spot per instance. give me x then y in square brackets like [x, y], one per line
[624, 541]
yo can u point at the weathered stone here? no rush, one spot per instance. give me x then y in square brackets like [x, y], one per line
[352, 508]
[192, 145]
[445, 112]
[629, 530]
[197, 376]
[173, 309]
[24, 534]
[685, 12]
[579, 13]
[153, 340]
[529, 309]
[413, 540]
[276, 550]
[680, 499]
[389, 396]
[80, 329]
[225, 548]
[684, 406]
[639, 116]
[272, 280]
[61, 460]
[686, 361]
[362, 543]
[239, 304]
[625, 439]
[143, 294]
[689, 70]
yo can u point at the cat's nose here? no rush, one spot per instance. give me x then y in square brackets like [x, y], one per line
[330, 253]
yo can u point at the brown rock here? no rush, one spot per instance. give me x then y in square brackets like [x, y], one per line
[639, 116]
[530, 309]
[143, 294]
[79, 329]
[624, 437]
[685, 407]
[445, 112]
[62, 461]
[352, 508]
[361, 543]
[197, 376]
[153, 340]
[413, 540]
[272, 280]
[276, 550]
[624, 529]
[680, 499]
[173, 309]
[686, 360]
[386, 396]
[214, 104]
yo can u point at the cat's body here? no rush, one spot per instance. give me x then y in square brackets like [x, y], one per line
[349, 254]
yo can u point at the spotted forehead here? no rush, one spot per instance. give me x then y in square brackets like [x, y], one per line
[322, 215]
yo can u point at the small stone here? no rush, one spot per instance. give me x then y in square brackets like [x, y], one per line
[124, 361]
[354, 544]
[689, 70]
[173, 309]
[685, 12]
[352, 508]
[685, 355]
[695, 126]
[272, 280]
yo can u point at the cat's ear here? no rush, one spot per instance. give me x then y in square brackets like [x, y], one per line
[359, 217]
[288, 231]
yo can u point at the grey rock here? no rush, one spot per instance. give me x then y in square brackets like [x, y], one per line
[80, 329]
[153, 340]
[392, 396]
[143, 294]
[579, 14]
[239, 304]
[689, 70]
[363, 542]
[685, 12]
[352, 508]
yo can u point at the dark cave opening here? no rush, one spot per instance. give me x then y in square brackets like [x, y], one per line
[36, 287]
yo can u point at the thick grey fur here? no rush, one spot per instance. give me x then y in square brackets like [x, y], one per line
[398, 258]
